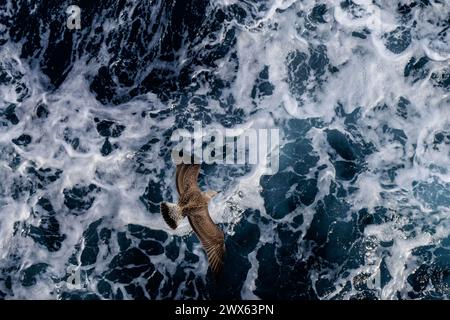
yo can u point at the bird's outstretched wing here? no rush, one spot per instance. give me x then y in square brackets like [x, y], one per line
[186, 177]
[211, 238]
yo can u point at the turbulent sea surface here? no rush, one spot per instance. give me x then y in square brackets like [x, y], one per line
[360, 208]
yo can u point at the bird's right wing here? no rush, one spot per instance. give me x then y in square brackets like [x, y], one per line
[211, 238]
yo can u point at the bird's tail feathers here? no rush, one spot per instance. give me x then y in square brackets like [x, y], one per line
[171, 214]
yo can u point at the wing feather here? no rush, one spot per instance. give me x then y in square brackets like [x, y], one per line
[211, 238]
[186, 177]
[179, 177]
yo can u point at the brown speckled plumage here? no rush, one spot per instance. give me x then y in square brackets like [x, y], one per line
[193, 203]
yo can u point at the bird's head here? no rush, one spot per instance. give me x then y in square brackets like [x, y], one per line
[210, 194]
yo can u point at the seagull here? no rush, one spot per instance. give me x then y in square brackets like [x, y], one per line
[193, 204]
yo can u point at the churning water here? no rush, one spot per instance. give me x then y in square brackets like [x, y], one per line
[360, 207]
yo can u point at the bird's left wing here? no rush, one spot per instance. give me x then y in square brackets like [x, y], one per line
[186, 177]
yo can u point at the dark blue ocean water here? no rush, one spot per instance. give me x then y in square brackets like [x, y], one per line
[360, 206]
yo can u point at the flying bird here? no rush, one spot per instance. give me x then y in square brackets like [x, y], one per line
[193, 204]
